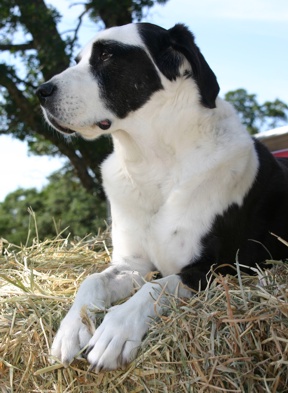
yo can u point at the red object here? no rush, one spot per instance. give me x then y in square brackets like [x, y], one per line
[280, 153]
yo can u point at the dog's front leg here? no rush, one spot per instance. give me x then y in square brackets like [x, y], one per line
[97, 291]
[117, 340]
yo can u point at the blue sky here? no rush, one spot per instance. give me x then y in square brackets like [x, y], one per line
[245, 43]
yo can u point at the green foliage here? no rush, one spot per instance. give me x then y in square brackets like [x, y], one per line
[62, 203]
[258, 117]
[124, 11]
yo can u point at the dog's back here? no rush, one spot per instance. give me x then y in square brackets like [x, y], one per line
[249, 232]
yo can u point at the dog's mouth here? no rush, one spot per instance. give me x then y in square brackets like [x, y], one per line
[103, 125]
[60, 128]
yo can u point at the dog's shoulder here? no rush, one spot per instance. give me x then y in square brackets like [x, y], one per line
[270, 165]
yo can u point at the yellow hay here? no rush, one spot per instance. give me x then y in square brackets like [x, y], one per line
[232, 337]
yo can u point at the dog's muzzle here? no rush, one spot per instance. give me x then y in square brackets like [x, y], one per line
[45, 94]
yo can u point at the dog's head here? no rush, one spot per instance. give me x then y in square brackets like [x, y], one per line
[118, 72]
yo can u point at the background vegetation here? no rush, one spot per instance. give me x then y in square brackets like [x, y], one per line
[74, 196]
[62, 204]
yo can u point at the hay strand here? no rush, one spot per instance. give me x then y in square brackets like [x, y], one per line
[232, 337]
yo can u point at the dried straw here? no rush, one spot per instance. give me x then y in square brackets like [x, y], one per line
[232, 337]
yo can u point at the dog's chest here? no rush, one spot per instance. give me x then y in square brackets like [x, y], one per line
[161, 212]
[143, 188]
[151, 216]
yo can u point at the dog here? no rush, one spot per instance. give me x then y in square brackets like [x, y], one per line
[189, 188]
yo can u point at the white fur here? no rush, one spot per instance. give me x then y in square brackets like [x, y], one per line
[116, 341]
[126, 34]
[155, 179]
[175, 166]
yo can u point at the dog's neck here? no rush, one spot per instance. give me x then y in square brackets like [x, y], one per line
[191, 139]
[147, 134]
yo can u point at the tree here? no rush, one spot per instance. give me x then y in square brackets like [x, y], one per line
[257, 117]
[62, 204]
[42, 53]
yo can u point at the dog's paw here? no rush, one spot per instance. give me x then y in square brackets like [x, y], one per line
[72, 336]
[117, 340]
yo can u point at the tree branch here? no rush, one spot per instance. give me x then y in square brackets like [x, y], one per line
[21, 102]
[17, 47]
[40, 23]
[30, 116]
[75, 37]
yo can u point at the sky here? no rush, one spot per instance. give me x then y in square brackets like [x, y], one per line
[244, 42]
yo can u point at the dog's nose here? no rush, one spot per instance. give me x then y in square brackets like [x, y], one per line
[45, 91]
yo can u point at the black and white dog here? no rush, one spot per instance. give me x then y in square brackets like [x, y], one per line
[188, 186]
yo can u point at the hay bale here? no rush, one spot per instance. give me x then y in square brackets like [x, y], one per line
[232, 337]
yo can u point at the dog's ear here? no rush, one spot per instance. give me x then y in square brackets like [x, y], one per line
[169, 48]
[157, 41]
[182, 41]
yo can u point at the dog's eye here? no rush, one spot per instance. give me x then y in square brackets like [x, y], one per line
[105, 56]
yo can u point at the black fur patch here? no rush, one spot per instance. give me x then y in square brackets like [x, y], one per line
[169, 48]
[158, 42]
[126, 76]
[246, 229]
